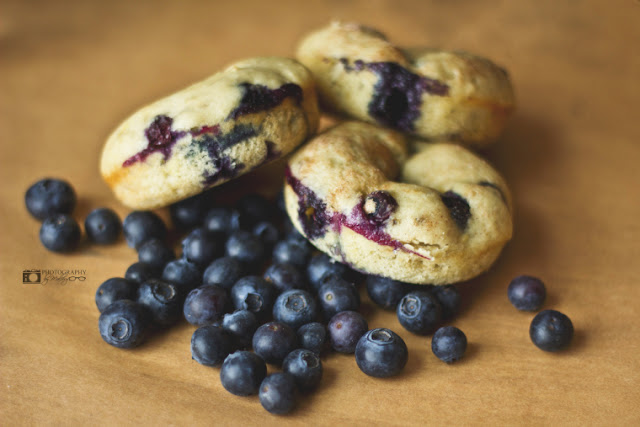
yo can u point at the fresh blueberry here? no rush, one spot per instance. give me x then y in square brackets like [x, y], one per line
[293, 235]
[49, 197]
[313, 336]
[338, 295]
[140, 226]
[155, 253]
[385, 292]
[305, 366]
[449, 298]
[60, 233]
[284, 277]
[163, 299]
[241, 325]
[103, 226]
[345, 329]
[140, 272]
[185, 275]
[255, 208]
[246, 247]
[278, 393]
[295, 308]
[201, 247]
[292, 252]
[124, 324]
[210, 345]
[419, 312]
[223, 220]
[267, 232]
[255, 294]
[115, 289]
[224, 272]
[381, 353]
[242, 373]
[273, 341]
[527, 293]
[551, 330]
[449, 344]
[188, 213]
[321, 266]
[205, 305]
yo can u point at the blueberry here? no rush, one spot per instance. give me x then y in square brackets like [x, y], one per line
[551, 330]
[49, 197]
[124, 324]
[103, 226]
[449, 344]
[188, 213]
[210, 345]
[224, 272]
[278, 393]
[163, 299]
[140, 272]
[295, 308]
[292, 252]
[255, 208]
[115, 289]
[378, 206]
[527, 293]
[419, 312]
[205, 305]
[223, 220]
[255, 294]
[381, 353]
[313, 336]
[140, 226]
[246, 247]
[345, 329]
[155, 253]
[284, 277]
[60, 233]
[201, 247]
[459, 208]
[305, 366]
[242, 373]
[267, 232]
[273, 341]
[321, 266]
[449, 299]
[241, 325]
[185, 275]
[280, 203]
[338, 295]
[385, 292]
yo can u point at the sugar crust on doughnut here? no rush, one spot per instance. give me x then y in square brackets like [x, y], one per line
[328, 181]
[450, 95]
[253, 112]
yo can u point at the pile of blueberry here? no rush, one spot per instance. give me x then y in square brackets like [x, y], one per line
[249, 281]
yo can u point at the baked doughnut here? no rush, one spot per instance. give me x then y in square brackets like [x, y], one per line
[439, 215]
[432, 93]
[255, 111]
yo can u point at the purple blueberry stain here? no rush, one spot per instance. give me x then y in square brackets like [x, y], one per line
[258, 98]
[160, 138]
[459, 208]
[312, 211]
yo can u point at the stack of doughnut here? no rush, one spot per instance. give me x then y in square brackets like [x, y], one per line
[390, 191]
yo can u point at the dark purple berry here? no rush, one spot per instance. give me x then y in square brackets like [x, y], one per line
[381, 353]
[291, 252]
[185, 275]
[246, 247]
[321, 266]
[201, 247]
[273, 341]
[267, 232]
[385, 292]
[103, 226]
[163, 299]
[124, 324]
[284, 277]
[115, 289]
[210, 345]
[527, 293]
[140, 272]
[140, 226]
[188, 213]
[49, 197]
[242, 373]
[551, 330]
[155, 253]
[241, 325]
[459, 209]
[449, 299]
[313, 336]
[338, 295]
[305, 366]
[205, 305]
[345, 329]
[295, 308]
[222, 220]
[255, 294]
[419, 312]
[60, 233]
[278, 393]
[378, 206]
[449, 344]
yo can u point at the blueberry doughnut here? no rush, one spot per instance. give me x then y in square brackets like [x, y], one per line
[255, 111]
[438, 215]
[431, 93]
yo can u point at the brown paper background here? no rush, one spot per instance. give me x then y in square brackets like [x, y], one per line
[71, 71]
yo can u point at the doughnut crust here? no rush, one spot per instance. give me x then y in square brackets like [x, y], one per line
[252, 113]
[431, 93]
[440, 215]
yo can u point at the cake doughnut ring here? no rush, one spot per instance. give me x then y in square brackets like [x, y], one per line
[255, 111]
[440, 215]
[432, 93]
